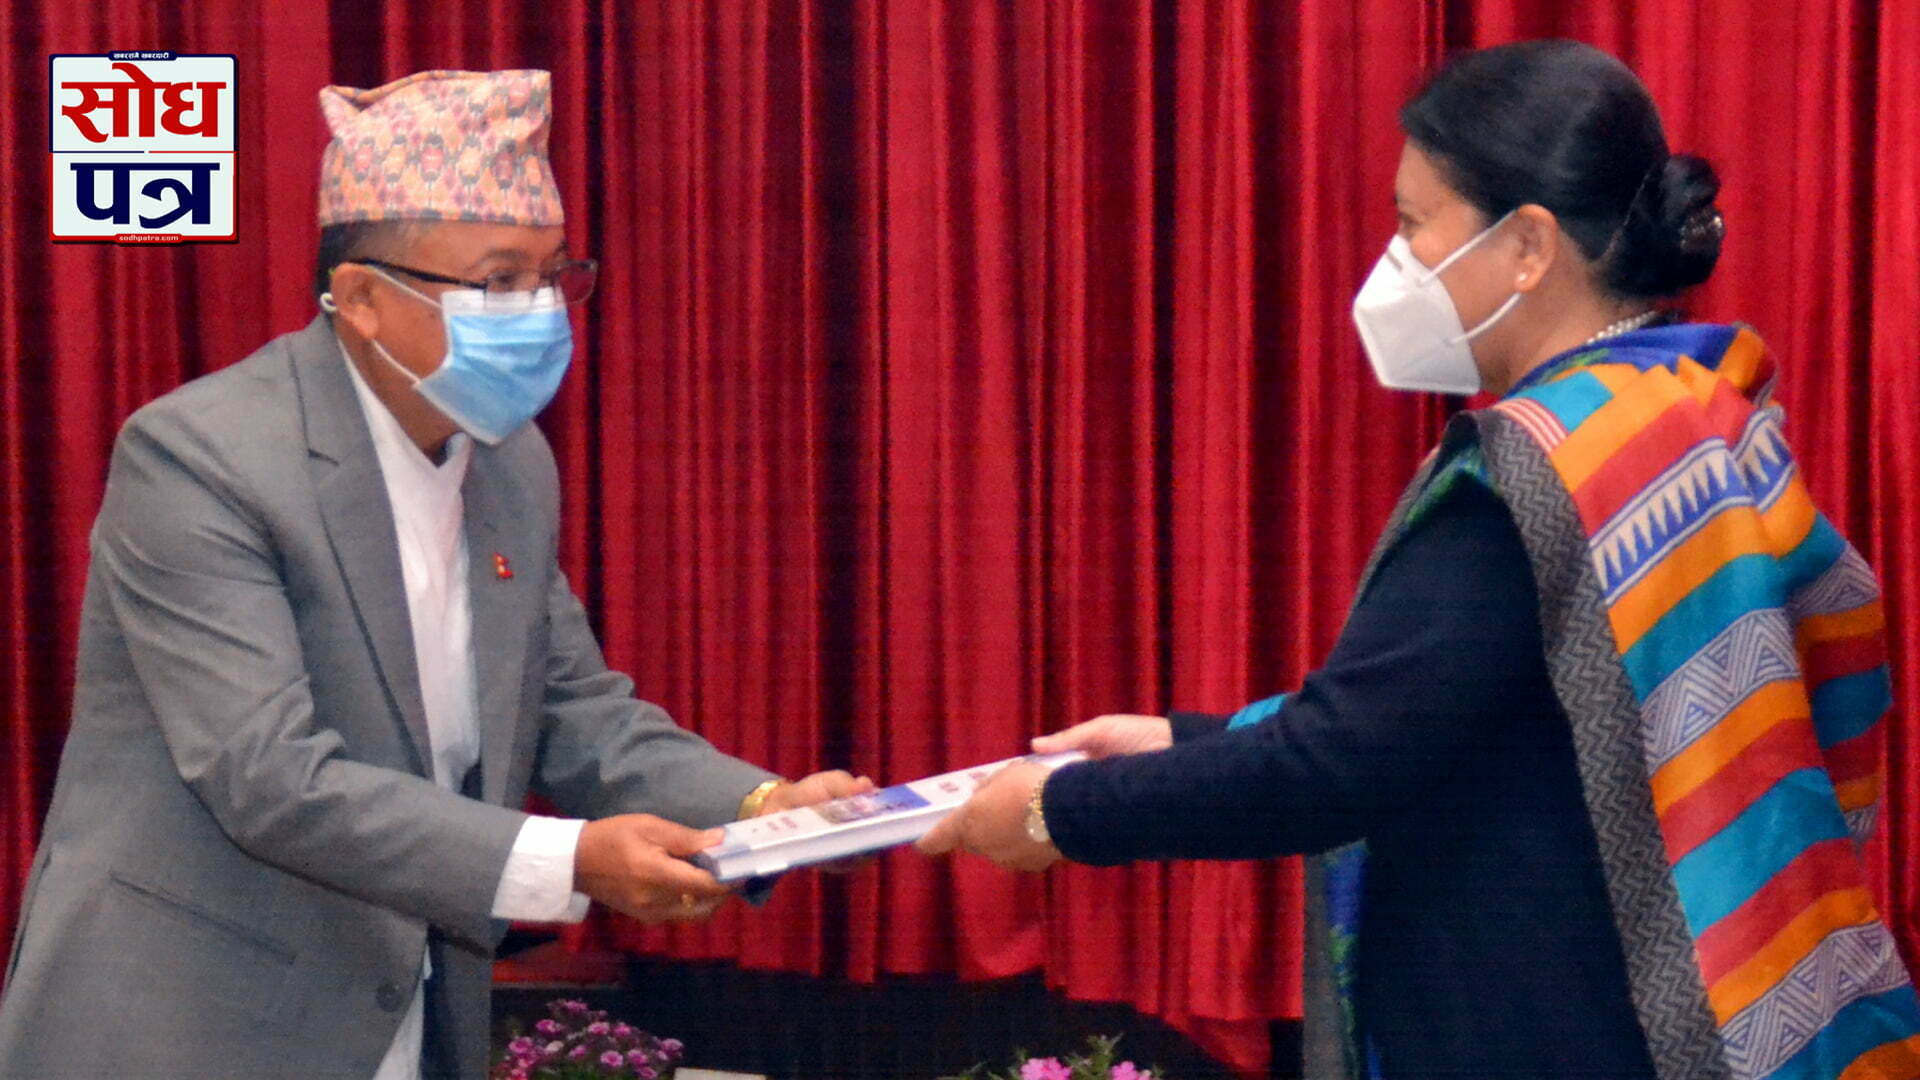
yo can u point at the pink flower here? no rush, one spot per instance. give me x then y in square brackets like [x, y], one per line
[599, 1027]
[549, 1028]
[579, 1053]
[520, 1046]
[622, 1031]
[1045, 1069]
[1126, 1071]
[671, 1046]
[613, 1059]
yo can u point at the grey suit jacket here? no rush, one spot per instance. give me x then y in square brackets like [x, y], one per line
[244, 854]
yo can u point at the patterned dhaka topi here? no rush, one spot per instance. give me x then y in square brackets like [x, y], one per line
[440, 146]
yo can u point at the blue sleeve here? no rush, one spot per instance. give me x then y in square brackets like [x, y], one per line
[1257, 713]
[1444, 650]
[1199, 725]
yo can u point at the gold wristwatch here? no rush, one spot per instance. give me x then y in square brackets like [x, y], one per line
[756, 799]
[1037, 815]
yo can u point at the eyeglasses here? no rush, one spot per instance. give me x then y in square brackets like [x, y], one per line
[573, 279]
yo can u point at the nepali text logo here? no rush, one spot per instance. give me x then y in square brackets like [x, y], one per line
[143, 147]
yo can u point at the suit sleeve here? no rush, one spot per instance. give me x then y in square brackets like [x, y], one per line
[1444, 651]
[605, 752]
[192, 579]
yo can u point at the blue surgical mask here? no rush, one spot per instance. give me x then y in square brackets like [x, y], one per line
[506, 355]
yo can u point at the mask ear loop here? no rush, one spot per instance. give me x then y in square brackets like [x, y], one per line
[1486, 324]
[331, 306]
[1462, 250]
[1470, 245]
[1499, 313]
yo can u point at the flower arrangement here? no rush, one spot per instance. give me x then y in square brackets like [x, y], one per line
[578, 1043]
[1096, 1064]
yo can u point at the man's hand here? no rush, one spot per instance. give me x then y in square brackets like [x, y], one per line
[818, 788]
[1110, 736]
[634, 864]
[994, 822]
[813, 790]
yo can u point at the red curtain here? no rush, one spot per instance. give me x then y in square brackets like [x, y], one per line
[962, 370]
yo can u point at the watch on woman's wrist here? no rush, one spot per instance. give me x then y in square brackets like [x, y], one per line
[1037, 815]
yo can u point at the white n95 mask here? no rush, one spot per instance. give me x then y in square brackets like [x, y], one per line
[1409, 327]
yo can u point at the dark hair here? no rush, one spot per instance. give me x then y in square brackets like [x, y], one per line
[353, 240]
[1566, 126]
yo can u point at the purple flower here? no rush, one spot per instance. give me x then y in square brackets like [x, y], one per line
[613, 1059]
[548, 1028]
[599, 1027]
[1045, 1069]
[671, 1047]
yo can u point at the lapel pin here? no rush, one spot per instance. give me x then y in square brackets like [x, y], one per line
[502, 569]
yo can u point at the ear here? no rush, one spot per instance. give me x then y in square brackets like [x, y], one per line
[1537, 231]
[352, 288]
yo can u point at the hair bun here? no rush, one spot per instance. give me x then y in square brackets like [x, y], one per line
[1688, 187]
[1671, 237]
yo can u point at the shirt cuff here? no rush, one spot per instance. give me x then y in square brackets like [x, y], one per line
[537, 884]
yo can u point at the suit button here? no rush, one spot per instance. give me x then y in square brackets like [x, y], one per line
[388, 997]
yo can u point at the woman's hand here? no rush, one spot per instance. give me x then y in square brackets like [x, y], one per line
[1110, 736]
[993, 823]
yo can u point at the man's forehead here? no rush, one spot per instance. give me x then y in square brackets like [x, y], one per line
[470, 243]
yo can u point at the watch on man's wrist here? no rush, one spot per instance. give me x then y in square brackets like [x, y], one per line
[1037, 815]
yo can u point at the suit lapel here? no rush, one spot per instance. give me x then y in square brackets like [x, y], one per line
[501, 595]
[359, 523]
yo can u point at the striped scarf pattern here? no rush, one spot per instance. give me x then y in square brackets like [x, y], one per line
[1719, 650]
[1750, 633]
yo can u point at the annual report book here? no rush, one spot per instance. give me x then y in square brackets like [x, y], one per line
[857, 825]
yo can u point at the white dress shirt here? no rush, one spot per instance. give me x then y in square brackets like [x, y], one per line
[428, 519]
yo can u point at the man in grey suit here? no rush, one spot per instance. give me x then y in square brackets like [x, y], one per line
[327, 649]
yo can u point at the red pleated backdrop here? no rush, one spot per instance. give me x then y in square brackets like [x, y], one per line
[962, 370]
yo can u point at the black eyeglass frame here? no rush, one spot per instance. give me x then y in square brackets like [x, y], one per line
[590, 267]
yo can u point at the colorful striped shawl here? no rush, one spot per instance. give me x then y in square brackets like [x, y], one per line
[1717, 646]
